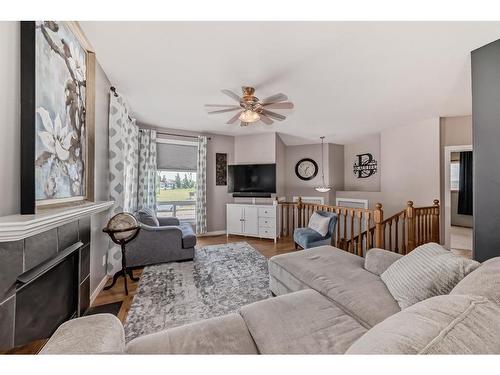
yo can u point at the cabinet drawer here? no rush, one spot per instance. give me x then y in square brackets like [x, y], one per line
[267, 212]
[267, 222]
[267, 232]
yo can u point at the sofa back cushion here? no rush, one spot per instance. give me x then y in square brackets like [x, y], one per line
[451, 324]
[485, 281]
[147, 216]
[427, 271]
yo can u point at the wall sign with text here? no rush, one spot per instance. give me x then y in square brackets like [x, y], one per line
[365, 166]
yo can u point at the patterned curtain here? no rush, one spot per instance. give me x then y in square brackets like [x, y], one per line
[123, 161]
[201, 186]
[146, 197]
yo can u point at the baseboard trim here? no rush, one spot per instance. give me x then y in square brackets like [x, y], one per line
[214, 233]
[99, 289]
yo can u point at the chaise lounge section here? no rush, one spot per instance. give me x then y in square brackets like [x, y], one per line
[349, 313]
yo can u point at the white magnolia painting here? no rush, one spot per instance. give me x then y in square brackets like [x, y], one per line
[60, 151]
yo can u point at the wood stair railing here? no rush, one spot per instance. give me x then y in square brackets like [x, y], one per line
[360, 229]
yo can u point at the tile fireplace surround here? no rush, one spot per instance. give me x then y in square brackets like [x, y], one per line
[26, 241]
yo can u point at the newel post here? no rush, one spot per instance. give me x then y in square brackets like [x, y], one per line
[378, 217]
[299, 213]
[410, 215]
[435, 222]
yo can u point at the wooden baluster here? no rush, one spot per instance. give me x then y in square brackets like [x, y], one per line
[293, 222]
[435, 222]
[390, 235]
[344, 243]
[337, 239]
[378, 217]
[396, 239]
[299, 213]
[403, 234]
[360, 237]
[351, 243]
[410, 214]
[367, 226]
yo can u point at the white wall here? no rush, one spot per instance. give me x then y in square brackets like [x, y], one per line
[409, 167]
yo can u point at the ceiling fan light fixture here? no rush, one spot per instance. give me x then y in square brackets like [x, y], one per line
[249, 116]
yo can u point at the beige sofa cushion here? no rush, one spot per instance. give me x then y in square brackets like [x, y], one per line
[485, 281]
[338, 275]
[303, 322]
[222, 335]
[378, 260]
[451, 324]
[427, 271]
[93, 334]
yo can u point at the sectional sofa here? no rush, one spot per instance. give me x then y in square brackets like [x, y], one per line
[327, 302]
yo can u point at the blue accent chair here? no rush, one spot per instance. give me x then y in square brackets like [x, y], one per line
[307, 238]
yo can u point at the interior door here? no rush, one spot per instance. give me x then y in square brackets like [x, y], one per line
[251, 223]
[235, 219]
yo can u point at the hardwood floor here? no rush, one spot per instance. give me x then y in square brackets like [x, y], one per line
[117, 294]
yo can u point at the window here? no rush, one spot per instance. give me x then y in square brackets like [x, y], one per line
[175, 195]
[176, 179]
[455, 175]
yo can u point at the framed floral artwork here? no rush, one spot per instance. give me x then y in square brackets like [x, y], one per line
[57, 114]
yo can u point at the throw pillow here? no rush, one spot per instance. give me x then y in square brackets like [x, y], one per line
[148, 217]
[427, 271]
[319, 223]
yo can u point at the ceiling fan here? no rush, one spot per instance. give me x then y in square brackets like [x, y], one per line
[251, 109]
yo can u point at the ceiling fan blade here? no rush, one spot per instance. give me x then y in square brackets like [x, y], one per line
[234, 118]
[275, 98]
[222, 105]
[244, 123]
[224, 110]
[273, 115]
[266, 120]
[282, 105]
[231, 94]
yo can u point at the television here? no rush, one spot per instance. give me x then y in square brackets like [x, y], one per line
[252, 180]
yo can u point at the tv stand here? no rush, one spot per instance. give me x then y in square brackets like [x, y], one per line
[253, 220]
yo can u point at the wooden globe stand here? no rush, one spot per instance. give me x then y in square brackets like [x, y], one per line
[122, 242]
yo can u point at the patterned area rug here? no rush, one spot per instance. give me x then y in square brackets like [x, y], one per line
[220, 280]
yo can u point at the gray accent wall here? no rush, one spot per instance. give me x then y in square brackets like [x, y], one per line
[486, 138]
[10, 143]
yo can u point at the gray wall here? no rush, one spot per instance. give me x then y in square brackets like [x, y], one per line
[369, 144]
[255, 148]
[409, 167]
[10, 141]
[486, 130]
[454, 131]
[9, 118]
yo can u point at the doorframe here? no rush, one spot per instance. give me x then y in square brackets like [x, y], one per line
[447, 189]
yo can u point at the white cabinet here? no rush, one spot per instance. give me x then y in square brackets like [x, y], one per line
[252, 220]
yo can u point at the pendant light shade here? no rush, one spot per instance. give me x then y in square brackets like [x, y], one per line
[323, 188]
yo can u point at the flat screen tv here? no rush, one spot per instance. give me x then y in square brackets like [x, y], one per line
[252, 179]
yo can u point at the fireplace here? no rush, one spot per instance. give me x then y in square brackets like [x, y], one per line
[47, 296]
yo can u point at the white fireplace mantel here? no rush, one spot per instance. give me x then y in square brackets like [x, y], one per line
[18, 227]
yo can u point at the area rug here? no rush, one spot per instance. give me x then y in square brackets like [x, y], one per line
[220, 280]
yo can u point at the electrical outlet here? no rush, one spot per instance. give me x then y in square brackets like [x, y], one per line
[104, 260]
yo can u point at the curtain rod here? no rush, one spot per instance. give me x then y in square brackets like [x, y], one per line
[179, 135]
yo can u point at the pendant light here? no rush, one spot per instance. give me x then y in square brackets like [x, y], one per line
[323, 188]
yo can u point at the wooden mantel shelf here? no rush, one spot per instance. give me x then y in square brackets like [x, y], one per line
[17, 227]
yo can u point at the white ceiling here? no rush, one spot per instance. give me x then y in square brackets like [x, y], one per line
[345, 78]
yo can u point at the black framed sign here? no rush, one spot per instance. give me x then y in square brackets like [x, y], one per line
[57, 114]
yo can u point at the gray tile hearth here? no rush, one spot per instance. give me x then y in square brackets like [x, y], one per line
[7, 309]
[11, 264]
[39, 248]
[67, 235]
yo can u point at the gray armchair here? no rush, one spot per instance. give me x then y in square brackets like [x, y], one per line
[160, 240]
